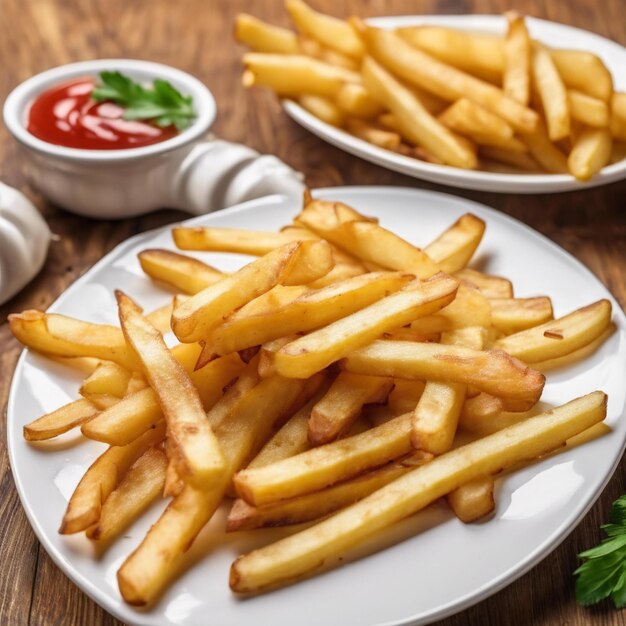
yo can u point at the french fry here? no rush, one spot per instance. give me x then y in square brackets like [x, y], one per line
[263, 37]
[559, 337]
[445, 81]
[311, 310]
[587, 109]
[590, 153]
[199, 460]
[484, 414]
[478, 54]
[60, 421]
[552, 93]
[584, 71]
[84, 507]
[305, 356]
[493, 371]
[517, 54]
[490, 286]
[404, 396]
[301, 554]
[323, 108]
[58, 335]
[139, 487]
[473, 500]
[454, 248]
[414, 120]
[293, 75]
[244, 516]
[195, 318]
[181, 272]
[336, 411]
[315, 49]
[325, 465]
[357, 101]
[518, 160]
[109, 378]
[548, 155]
[328, 30]
[618, 116]
[250, 419]
[510, 315]
[372, 134]
[160, 318]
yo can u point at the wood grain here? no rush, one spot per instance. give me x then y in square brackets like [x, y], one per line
[195, 36]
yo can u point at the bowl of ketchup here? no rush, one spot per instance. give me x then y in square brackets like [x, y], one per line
[85, 156]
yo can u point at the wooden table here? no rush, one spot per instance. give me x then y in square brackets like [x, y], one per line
[195, 36]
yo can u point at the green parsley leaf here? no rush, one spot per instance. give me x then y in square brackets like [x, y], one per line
[163, 104]
[603, 571]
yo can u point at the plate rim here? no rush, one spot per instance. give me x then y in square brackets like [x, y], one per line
[125, 613]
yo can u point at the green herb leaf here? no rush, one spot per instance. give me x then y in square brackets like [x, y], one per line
[603, 571]
[163, 104]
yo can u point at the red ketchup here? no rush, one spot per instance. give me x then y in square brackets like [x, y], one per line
[66, 115]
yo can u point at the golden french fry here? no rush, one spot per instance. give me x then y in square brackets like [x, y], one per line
[414, 120]
[552, 93]
[454, 248]
[310, 310]
[493, 371]
[404, 397]
[199, 460]
[548, 155]
[473, 500]
[490, 286]
[618, 116]
[313, 48]
[294, 263]
[584, 71]
[517, 160]
[445, 81]
[60, 421]
[517, 54]
[108, 378]
[357, 101]
[372, 134]
[559, 337]
[335, 412]
[510, 315]
[590, 153]
[294, 75]
[312, 353]
[141, 484]
[328, 30]
[300, 554]
[263, 37]
[323, 108]
[587, 109]
[184, 273]
[85, 504]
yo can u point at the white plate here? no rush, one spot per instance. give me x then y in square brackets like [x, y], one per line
[550, 33]
[434, 565]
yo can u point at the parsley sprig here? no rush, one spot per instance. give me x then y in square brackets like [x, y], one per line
[163, 104]
[603, 572]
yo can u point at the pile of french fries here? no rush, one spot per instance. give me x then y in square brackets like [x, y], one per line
[344, 377]
[464, 99]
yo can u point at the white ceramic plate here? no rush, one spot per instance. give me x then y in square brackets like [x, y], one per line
[433, 564]
[550, 33]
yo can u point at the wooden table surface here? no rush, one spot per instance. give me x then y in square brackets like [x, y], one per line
[195, 36]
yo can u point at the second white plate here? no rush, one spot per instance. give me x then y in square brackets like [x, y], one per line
[550, 33]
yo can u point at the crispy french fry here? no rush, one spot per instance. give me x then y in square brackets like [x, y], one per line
[584, 71]
[141, 484]
[587, 109]
[473, 500]
[493, 371]
[250, 419]
[323, 108]
[357, 101]
[336, 411]
[325, 465]
[484, 415]
[552, 93]
[311, 310]
[109, 378]
[199, 460]
[548, 155]
[60, 421]
[263, 37]
[414, 120]
[293, 75]
[618, 116]
[590, 153]
[312, 353]
[517, 54]
[510, 315]
[445, 81]
[181, 272]
[404, 396]
[561, 336]
[490, 286]
[517, 160]
[294, 263]
[301, 554]
[454, 248]
[315, 49]
[329, 31]
[85, 505]
[58, 335]
[386, 139]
